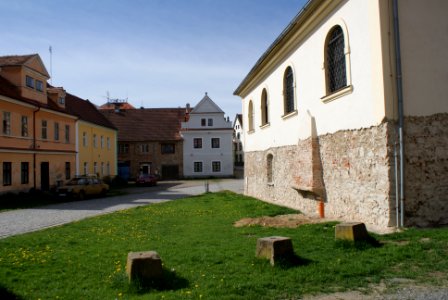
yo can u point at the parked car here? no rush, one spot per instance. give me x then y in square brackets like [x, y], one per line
[83, 186]
[146, 179]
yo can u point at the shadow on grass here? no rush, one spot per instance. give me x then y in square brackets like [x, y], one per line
[170, 282]
[291, 261]
[367, 243]
[5, 294]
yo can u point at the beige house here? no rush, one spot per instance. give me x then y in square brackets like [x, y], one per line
[348, 106]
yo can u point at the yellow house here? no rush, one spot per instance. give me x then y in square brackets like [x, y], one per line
[96, 139]
[37, 134]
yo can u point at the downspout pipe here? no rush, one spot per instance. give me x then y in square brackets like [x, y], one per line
[400, 106]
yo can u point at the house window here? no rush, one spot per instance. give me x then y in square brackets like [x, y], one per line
[24, 172]
[39, 85]
[123, 148]
[86, 168]
[61, 100]
[144, 148]
[197, 143]
[67, 170]
[288, 91]
[216, 166]
[210, 122]
[44, 129]
[203, 122]
[102, 168]
[335, 60]
[269, 163]
[197, 166]
[102, 142]
[241, 146]
[250, 116]
[56, 131]
[215, 142]
[24, 126]
[67, 133]
[29, 81]
[6, 123]
[84, 139]
[108, 168]
[94, 141]
[7, 179]
[168, 148]
[264, 108]
[95, 167]
[108, 143]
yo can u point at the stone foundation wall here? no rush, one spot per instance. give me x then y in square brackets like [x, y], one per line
[426, 170]
[355, 169]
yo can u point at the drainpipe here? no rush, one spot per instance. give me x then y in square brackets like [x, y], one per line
[34, 147]
[400, 106]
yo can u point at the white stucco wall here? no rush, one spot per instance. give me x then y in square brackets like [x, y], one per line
[359, 109]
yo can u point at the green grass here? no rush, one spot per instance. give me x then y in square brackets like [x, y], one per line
[205, 257]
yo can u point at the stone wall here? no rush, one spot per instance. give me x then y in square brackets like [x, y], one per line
[354, 169]
[426, 170]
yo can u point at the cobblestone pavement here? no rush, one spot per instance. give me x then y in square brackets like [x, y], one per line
[27, 220]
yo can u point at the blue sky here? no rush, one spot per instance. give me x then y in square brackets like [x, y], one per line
[156, 53]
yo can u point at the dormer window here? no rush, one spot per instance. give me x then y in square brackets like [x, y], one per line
[39, 85]
[29, 82]
[61, 100]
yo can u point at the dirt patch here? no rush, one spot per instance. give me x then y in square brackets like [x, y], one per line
[289, 221]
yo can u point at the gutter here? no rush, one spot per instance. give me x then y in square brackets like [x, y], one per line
[400, 108]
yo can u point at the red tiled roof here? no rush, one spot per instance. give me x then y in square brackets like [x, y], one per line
[86, 111]
[147, 124]
[109, 105]
[15, 60]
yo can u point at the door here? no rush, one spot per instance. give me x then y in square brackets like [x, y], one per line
[45, 176]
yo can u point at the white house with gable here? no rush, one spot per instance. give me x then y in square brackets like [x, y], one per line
[207, 146]
[348, 107]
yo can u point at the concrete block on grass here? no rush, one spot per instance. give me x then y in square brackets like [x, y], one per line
[274, 248]
[353, 231]
[144, 266]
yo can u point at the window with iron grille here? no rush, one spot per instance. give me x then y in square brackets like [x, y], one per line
[216, 166]
[335, 65]
[24, 172]
[264, 108]
[288, 88]
[197, 166]
[215, 142]
[197, 143]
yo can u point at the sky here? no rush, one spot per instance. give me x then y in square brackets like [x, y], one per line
[154, 53]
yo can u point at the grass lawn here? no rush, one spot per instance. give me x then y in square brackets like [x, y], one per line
[205, 257]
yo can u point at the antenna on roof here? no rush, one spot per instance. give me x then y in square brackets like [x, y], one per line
[51, 64]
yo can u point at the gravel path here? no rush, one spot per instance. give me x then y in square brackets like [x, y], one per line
[27, 220]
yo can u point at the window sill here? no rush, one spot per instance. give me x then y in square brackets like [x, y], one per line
[251, 131]
[290, 114]
[342, 92]
[270, 184]
[265, 125]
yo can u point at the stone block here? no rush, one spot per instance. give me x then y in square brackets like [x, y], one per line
[274, 248]
[351, 232]
[144, 266]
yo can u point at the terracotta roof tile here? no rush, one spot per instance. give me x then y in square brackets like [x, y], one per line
[124, 105]
[14, 60]
[147, 124]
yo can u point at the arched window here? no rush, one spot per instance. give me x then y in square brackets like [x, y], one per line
[335, 66]
[264, 108]
[269, 167]
[288, 90]
[251, 116]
